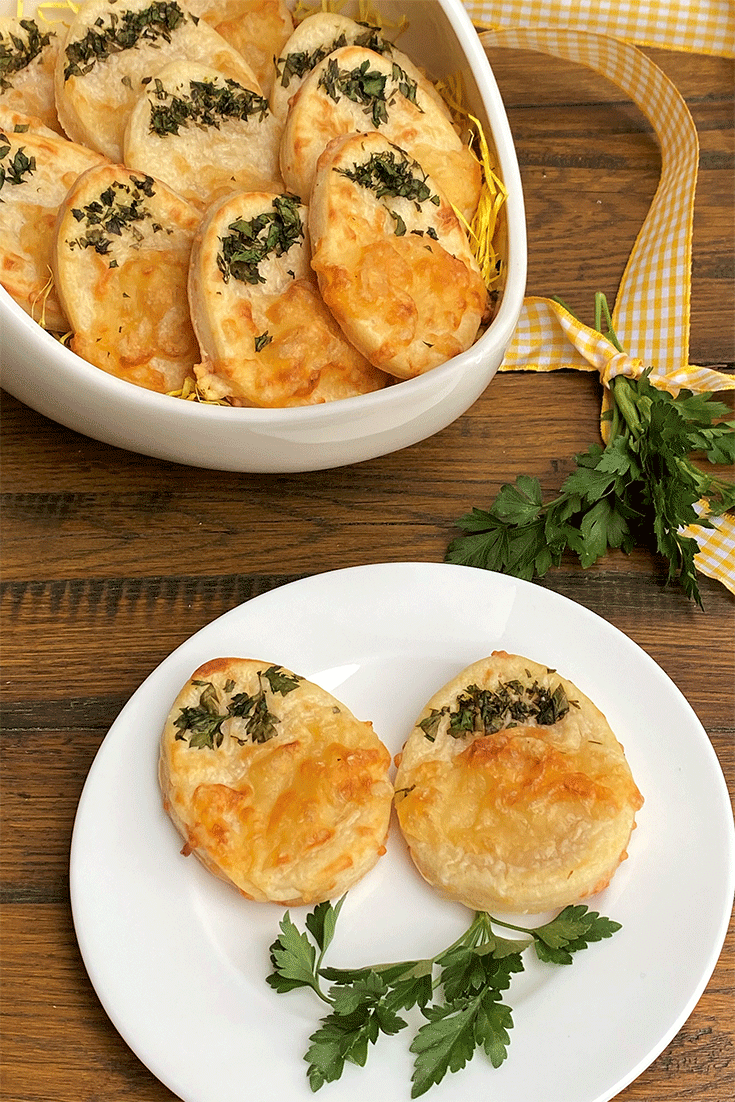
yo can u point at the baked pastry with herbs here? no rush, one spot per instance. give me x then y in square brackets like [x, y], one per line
[113, 48]
[208, 135]
[357, 90]
[273, 783]
[258, 29]
[28, 53]
[266, 336]
[512, 792]
[121, 262]
[393, 261]
[38, 167]
[321, 34]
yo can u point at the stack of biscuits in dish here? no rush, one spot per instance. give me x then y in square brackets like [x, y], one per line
[512, 793]
[208, 199]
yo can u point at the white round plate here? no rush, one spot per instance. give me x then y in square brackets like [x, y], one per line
[179, 959]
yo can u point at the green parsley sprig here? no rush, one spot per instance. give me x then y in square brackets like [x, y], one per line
[459, 992]
[640, 489]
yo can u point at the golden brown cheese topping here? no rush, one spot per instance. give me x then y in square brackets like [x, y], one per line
[38, 168]
[266, 336]
[393, 262]
[120, 266]
[258, 29]
[512, 792]
[273, 784]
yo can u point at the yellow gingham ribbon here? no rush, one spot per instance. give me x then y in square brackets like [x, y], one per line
[652, 309]
[697, 26]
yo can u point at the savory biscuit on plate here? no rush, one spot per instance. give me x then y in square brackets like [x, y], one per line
[113, 48]
[121, 261]
[38, 167]
[266, 336]
[512, 792]
[356, 89]
[393, 262]
[272, 782]
[28, 52]
[207, 134]
[258, 29]
[321, 34]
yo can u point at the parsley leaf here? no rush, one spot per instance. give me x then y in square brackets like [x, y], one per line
[639, 490]
[459, 992]
[572, 930]
[203, 721]
[294, 958]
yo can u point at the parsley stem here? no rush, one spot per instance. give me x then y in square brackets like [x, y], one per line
[510, 926]
[601, 308]
[623, 391]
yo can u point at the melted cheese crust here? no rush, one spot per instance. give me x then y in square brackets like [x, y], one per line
[415, 123]
[209, 156]
[322, 33]
[30, 90]
[258, 29]
[28, 213]
[94, 106]
[296, 819]
[398, 274]
[126, 301]
[271, 343]
[525, 820]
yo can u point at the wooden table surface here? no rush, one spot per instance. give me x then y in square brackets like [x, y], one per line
[112, 559]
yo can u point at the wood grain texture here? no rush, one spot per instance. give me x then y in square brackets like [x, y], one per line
[110, 560]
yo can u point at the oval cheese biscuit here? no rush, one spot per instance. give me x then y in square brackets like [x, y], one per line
[266, 336]
[29, 53]
[206, 134]
[356, 89]
[321, 34]
[273, 784]
[258, 29]
[512, 792]
[39, 167]
[121, 263]
[113, 48]
[393, 262]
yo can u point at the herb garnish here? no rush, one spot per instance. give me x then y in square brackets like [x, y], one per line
[250, 241]
[16, 53]
[119, 207]
[459, 991]
[15, 169]
[301, 62]
[368, 87]
[205, 719]
[485, 711]
[112, 34]
[206, 104]
[392, 176]
[640, 489]
[262, 340]
[389, 175]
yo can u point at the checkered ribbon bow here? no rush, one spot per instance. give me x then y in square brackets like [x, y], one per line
[652, 309]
